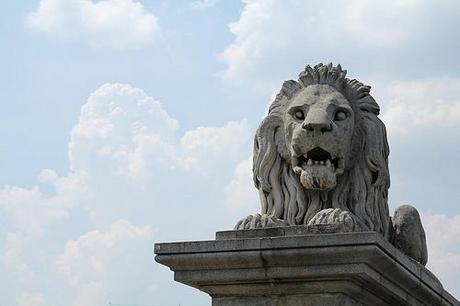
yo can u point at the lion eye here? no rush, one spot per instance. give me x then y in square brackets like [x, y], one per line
[299, 115]
[340, 115]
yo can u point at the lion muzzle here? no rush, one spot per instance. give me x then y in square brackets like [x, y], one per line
[317, 176]
[317, 169]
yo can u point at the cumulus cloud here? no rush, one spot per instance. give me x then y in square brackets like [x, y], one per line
[12, 255]
[127, 168]
[89, 250]
[123, 137]
[119, 24]
[118, 127]
[31, 299]
[274, 30]
[88, 262]
[414, 105]
[207, 144]
[30, 210]
[271, 38]
[124, 132]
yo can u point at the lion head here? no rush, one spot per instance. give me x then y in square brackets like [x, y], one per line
[320, 147]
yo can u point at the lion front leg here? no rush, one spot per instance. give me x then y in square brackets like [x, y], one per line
[259, 221]
[335, 220]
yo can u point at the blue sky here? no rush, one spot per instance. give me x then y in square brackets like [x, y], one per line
[128, 122]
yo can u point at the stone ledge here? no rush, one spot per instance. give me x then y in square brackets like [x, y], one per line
[277, 231]
[245, 265]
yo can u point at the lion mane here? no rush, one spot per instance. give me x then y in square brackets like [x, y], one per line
[362, 189]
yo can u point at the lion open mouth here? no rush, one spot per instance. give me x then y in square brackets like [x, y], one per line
[318, 169]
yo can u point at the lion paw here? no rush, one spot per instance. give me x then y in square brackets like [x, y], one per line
[339, 220]
[258, 221]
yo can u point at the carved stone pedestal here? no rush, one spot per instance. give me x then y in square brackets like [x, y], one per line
[291, 266]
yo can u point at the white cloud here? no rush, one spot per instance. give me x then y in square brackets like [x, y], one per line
[208, 144]
[124, 132]
[124, 139]
[119, 126]
[30, 210]
[119, 24]
[12, 255]
[89, 250]
[443, 239]
[202, 5]
[88, 263]
[31, 299]
[274, 39]
[126, 162]
[272, 30]
[430, 103]
[381, 25]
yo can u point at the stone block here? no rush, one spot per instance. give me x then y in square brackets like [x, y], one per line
[291, 266]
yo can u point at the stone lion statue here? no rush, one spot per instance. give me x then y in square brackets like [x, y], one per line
[321, 160]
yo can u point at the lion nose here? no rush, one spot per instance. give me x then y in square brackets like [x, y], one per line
[318, 127]
[317, 122]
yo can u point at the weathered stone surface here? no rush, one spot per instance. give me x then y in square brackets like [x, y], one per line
[288, 266]
[409, 235]
[331, 299]
[321, 158]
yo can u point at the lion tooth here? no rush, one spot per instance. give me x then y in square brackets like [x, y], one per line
[328, 163]
[322, 162]
[309, 162]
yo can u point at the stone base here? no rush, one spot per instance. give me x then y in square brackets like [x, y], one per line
[291, 266]
[337, 299]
